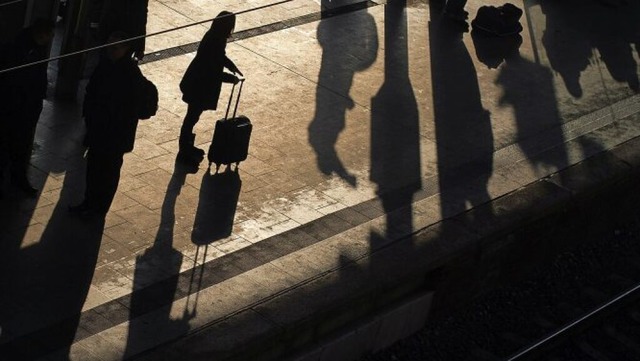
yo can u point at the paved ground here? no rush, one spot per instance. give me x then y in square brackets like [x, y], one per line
[370, 123]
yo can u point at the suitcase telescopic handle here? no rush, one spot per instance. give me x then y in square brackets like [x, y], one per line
[235, 109]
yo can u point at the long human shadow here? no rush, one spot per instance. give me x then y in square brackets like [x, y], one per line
[349, 45]
[528, 88]
[575, 28]
[157, 270]
[217, 206]
[46, 259]
[16, 209]
[45, 284]
[463, 131]
[56, 137]
[566, 43]
[395, 130]
[156, 278]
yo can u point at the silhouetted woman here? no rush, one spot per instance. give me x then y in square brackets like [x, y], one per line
[203, 80]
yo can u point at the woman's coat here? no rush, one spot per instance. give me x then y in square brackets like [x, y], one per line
[203, 79]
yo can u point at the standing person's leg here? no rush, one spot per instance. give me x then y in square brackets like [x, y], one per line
[106, 190]
[92, 179]
[102, 178]
[187, 151]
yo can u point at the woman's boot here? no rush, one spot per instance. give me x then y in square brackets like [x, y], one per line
[188, 153]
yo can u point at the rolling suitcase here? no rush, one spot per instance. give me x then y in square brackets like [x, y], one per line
[231, 136]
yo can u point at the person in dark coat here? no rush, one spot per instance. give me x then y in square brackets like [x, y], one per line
[128, 16]
[22, 92]
[110, 115]
[202, 82]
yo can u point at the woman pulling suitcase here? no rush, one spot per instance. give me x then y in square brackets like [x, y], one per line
[202, 82]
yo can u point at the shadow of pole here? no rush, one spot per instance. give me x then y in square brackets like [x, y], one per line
[395, 130]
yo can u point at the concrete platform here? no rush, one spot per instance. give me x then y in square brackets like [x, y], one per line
[383, 150]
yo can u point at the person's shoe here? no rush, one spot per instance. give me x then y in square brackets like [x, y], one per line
[192, 150]
[186, 166]
[186, 145]
[198, 152]
[191, 157]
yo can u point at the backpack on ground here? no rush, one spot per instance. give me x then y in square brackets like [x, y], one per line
[147, 103]
[498, 20]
